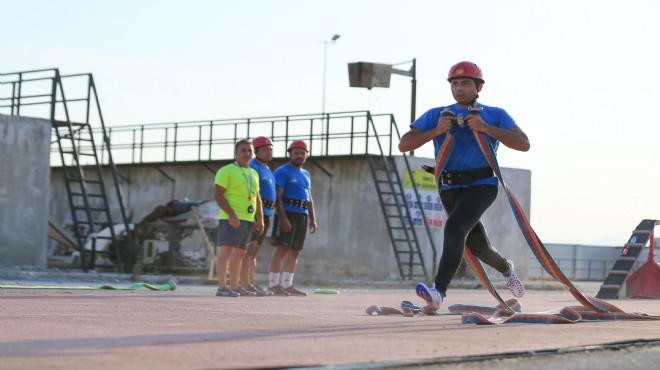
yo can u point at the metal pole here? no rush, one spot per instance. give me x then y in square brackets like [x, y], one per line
[325, 52]
[325, 56]
[413, 102]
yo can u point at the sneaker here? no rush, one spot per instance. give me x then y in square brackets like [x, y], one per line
[245, 293]
[262, 289]
[293, 291]
[278, 290]
[258, 291]
[432, 296]
[226, 292]
[514, 284]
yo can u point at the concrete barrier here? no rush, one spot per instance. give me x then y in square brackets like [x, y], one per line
[351, 241]
[24, 190]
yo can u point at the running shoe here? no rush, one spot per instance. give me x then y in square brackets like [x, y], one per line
[278, 290]
[226, 292]
[262, 289]
[293, 291]
[245, 293]
[259, 292]
[514, 284]
[432, 296]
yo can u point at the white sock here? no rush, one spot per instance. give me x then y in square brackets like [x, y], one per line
[273, 279]
[287, 279]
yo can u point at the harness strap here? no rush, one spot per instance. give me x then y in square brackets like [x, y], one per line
[268, 203]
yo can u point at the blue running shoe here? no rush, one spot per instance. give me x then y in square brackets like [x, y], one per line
[226, 292]
[244, 292]
[432, 296]
[258, 291]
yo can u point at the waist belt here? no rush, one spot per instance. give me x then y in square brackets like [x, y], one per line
[296, 203]
[268, 203]
[465, 177]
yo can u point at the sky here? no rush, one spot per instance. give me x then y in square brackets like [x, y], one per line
[578, 76]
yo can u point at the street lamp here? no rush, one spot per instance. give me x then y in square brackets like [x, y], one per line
[325, 53]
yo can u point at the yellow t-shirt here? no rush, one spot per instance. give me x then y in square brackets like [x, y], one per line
[236, 181]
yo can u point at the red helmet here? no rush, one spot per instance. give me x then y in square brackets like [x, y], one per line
[465, 70]
[298, 144]
[260, 141]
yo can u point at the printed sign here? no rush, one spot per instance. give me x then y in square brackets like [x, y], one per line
[428, 196]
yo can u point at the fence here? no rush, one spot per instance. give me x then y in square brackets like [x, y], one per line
[578, 269]
[330, 134]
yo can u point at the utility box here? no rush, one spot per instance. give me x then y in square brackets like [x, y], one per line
[369, 75]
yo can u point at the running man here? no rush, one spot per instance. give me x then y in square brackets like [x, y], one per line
[467, 185]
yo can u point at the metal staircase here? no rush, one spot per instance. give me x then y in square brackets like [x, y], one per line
[624, 264]
[88, 199]
[397, 214]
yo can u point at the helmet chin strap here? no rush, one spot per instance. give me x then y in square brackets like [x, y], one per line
[472, 103]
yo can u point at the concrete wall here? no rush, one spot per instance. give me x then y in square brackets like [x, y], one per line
[351, 240]
[24, 187]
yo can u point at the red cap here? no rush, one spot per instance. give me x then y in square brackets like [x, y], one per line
[298, 144]
[465, 70]
[260, 141]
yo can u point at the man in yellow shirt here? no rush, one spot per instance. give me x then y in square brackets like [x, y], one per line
[236, 191]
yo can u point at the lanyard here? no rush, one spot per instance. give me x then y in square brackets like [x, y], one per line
[248, 180]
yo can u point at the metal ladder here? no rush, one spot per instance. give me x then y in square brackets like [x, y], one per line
[399, 224]
[395, 207]
[81, 168]
[624, 264]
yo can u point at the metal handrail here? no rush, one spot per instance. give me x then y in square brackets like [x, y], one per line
[343, 134]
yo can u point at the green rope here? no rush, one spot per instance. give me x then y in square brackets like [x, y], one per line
[170, 285]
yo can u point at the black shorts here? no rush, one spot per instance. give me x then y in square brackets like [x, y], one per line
[296, 237]
[230, 237]
[260, 238]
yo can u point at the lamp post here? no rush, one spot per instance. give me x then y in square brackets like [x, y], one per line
[325, 54]
[412, 73]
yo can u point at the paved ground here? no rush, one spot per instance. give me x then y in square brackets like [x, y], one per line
[190, 328]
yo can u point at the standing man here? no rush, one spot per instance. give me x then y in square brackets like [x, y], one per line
[237, 193]
[263, 153]
[295, 213]
[467, 185]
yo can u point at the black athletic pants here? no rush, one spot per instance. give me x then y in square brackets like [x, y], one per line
[464, 207]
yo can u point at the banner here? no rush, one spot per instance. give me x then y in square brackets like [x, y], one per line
[428, 195]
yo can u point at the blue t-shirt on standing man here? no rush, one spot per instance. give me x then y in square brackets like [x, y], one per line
[266, 184]
[296, 184]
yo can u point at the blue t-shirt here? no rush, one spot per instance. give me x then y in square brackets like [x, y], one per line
[266, 184]
[466, 154]
[296, 184]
